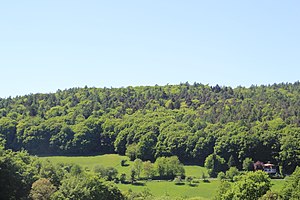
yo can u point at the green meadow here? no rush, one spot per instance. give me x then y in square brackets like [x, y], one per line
[205, 190]
[114, 160]
[168, 188]
[107, 160]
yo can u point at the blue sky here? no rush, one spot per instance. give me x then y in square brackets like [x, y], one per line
[58, 44]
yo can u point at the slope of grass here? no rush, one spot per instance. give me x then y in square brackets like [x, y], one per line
[157, 188]
[203, 190]
[107, 160]
[168, 188]
[114, 160]
[195, 171]
[277, 184]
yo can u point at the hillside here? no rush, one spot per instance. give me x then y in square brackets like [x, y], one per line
[191, 121]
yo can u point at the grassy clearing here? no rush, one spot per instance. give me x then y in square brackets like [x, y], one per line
[114, 160]
[163, 188]
[157, 188]
[203, 190]
[277, 184]
[107, 160]
[195, 171]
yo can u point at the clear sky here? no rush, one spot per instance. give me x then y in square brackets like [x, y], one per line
[56, 44]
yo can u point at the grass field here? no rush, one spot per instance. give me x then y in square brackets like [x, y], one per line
[277, 184]
[203, 190]
[168, 188]
[114, 160]
[157, 188]
[107, 160]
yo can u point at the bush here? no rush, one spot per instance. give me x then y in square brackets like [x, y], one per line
[108, 173]
[189, 179]
[270, 195]
[169, 167]
[123, 178]
[221, 176]
[250, 186]
[215, 164]
[42, 189]
[291, 189]
[124, 163]
[178, 180]
[231, 173]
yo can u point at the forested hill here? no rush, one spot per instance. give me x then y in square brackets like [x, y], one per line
[191, 121]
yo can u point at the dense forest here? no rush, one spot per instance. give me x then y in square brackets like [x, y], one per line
[190, 121]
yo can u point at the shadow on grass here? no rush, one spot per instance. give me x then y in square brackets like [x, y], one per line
[179, 183]
[138, 184]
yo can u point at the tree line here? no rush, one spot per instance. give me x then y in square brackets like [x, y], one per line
[190, 121]
[25, 177]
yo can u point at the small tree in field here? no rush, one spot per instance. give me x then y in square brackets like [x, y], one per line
[189, 179]
[131, 151]
[123, 178]
[178, 180]
[204, 177]
[138, 167]
[169, 167]
[215, 164]
[231, 173]
[132, 175]
[149, 170]
[221, 176]
[124, 162]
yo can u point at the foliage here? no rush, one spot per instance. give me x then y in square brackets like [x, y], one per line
[190, 121]
[131, 151]
[251, 185]
[169, 167]
[204, 177]
[123, 178]
[231, 173]
[291, 189]
[143, 195]
[53, 172]
[132, 175]
[42, 189]
[270, 195]
[124, 162]
[215, 164]
[248, 164]
[189, 179]
[17, 174]
[231, 162]
[221, 176]
[148, 169]
[178, 180]
[137, 167]
[88, 187]
[108, 173]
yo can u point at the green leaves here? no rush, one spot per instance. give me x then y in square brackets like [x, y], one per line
[169, 167]
[291, 188]
[187, 121]
[215, 164]
[249, 186]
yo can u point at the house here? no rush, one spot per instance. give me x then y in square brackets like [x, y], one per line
[268, 167]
